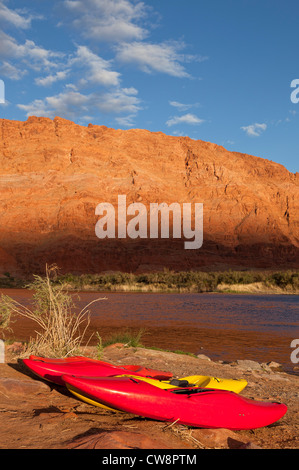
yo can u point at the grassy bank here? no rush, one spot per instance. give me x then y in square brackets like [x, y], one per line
[279, 282]
[191, 281]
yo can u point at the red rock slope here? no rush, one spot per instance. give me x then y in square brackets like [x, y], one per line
[53, 174]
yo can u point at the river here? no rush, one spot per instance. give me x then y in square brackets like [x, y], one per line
[222, 326]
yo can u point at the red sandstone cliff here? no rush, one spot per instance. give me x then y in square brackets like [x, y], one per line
[53, 174]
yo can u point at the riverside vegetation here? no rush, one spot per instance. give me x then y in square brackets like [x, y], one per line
[169, 281]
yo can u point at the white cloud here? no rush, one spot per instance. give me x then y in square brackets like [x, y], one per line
[119, 101]
[50, 79]
[163, 57]
[94, 84]
[87, 67]
[96, 69]
[126, 121]
[29, 54]
[179, 133]
[11, 71]
[66, 105]
[36, 108]
[185, 119]
[182, 106]
[70, 104]
[254, 130]
[109, 20]
[130, 91]
[15, 17]
[118, 22]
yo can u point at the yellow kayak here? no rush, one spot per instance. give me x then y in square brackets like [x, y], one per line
[200, 381]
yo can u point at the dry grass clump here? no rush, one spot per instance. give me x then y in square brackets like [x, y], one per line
[61, 329]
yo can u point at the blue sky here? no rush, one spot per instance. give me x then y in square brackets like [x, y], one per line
[215, 70]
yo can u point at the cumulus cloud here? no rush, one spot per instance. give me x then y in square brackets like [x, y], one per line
[11, 71]
[96, 69]
[163, 57]
[185, 119]
[254, 130]
[119, 22]
[94, 84]
[87, 67]
[109, 20]
[17, 18]
[119, 101]
[28, 54]
[50, 79]
[71, 104]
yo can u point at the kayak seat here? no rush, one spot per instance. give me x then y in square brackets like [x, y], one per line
[180, 383]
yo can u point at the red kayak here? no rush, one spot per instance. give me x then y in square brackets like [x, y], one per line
[153, 373]
[52, 371]
[205, 408]
[63, 359]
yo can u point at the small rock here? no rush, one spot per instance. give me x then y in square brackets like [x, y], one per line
[10, 386]
[203, 356]
[16, 348]
[249, 445]
[265, 367]
[217, 438]
[274, 365]
[114, 346]
[69, 415]
[118, 440]
[249, 365]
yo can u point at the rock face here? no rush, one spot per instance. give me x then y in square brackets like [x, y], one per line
[54, 173]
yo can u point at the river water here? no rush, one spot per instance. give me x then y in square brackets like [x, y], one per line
[222, 326]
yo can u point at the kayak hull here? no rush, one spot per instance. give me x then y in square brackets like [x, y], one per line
[52, 371]
[197, 407]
